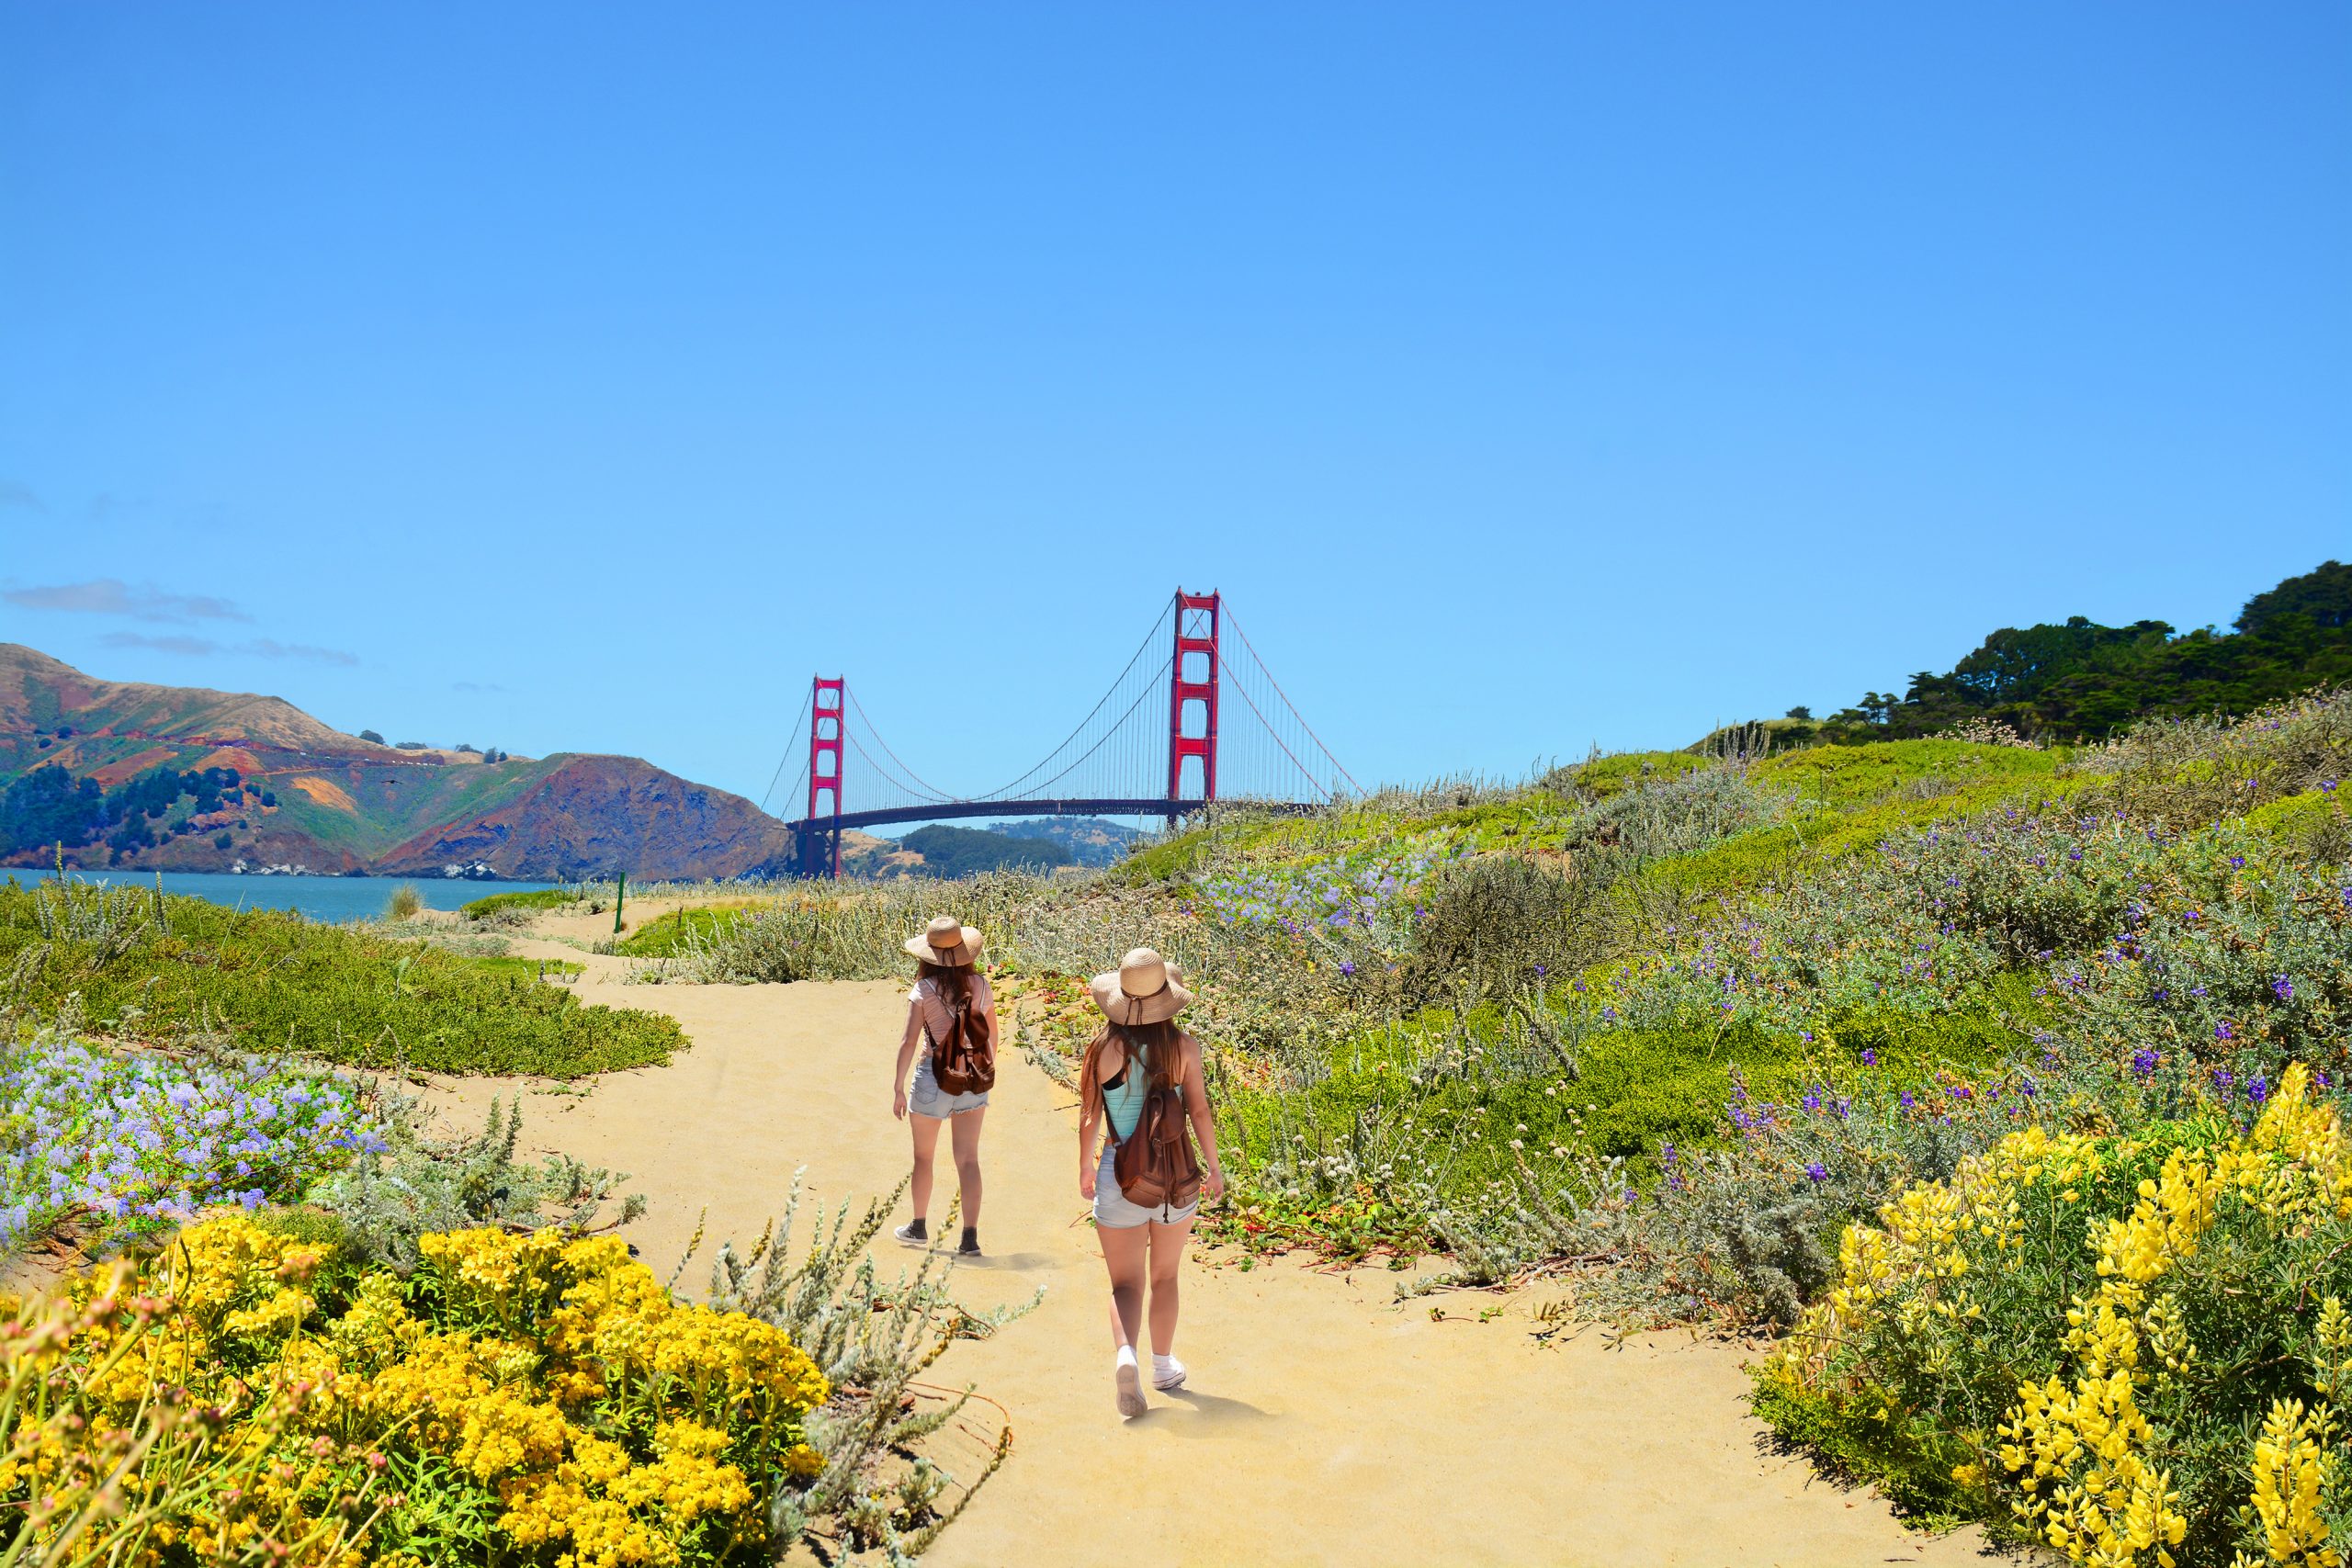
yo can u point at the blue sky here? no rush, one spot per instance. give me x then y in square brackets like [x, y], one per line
[568, 377]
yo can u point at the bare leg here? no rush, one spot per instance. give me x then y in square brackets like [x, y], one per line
[1123, 1254]
[926, 1136]
[963, 1134]
[1167, 1252]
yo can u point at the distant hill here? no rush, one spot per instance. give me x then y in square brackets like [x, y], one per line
[1037, 842]
[2081, 680]
[965, 851]
[864, 855]
[1091, 840]
[188, 779]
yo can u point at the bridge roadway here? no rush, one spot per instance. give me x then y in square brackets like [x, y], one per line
[1159, 806]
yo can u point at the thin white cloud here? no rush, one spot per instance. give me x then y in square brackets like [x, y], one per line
[112, 596]
[259, 648]
[264, 648]
[19, 496]
[474, 686]
[194, 646]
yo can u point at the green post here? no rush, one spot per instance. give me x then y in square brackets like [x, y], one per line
[620, 891]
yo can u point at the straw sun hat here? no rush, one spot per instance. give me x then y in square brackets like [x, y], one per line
[1144, 988]
[946, 940]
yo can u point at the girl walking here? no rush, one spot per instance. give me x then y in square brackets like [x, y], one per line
[951, 1020]
[1141, 1084]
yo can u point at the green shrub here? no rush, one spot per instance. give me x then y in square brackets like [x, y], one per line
[154, 966]
[2136, 1342]
[1602, 777]
[674, 932]
[2313, 825]
[1497, 922]
[839, 931]
[378, 1209]
[523, 903]
[405, 902]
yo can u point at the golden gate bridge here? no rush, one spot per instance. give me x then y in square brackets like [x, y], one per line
[1162, 741]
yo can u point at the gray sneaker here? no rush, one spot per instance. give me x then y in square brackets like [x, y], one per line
[912, 1233]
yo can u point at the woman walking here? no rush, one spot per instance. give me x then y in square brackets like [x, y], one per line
[1141, 1082]
[951, 1018]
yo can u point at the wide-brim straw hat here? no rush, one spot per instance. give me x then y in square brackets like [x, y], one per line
[1144, 988]
[946, 940]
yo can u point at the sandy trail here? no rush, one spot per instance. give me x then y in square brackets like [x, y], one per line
[1329, 1424]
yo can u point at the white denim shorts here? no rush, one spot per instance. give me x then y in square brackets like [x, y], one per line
[1113, 1212]
[925, 1098]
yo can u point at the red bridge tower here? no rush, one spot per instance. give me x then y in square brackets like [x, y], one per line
[820, 836]
[1193, 681]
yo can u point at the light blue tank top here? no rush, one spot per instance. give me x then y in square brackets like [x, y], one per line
[1123, 1102]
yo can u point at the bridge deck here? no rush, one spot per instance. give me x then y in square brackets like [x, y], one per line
[941, 810]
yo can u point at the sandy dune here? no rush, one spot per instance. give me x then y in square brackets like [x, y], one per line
[1329, 1424]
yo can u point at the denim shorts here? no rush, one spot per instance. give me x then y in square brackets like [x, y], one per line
[925, 1098]
[1114, 1213]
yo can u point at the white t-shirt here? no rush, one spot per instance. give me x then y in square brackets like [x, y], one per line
[932, 1008]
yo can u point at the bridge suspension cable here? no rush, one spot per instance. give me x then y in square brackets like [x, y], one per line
[1253, 651]
[1006, 791]
[914, 784]
[786, 760]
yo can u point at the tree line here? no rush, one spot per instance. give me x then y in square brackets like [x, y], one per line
[2081, 680]
[51, 805]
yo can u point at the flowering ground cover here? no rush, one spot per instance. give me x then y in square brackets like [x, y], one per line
[528, 1396]
[1375, 892]
[131, 1140]
[261, 1388]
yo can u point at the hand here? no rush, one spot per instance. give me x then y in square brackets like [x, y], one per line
[898, 1103]
[1086, 1182]
[1214, 1183]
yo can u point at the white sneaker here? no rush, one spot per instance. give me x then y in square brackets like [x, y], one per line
[1130, 1384]
[1166, 1372]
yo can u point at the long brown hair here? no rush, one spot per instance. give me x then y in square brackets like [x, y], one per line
[1155, 1045]
[954, 982]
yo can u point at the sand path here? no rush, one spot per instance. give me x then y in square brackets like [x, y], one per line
[1328, 1423]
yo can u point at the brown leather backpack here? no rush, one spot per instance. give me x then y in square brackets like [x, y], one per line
[964, 1059]
[1156, 1165]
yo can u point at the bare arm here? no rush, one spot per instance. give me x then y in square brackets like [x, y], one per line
[907, 1043]
[1196, 1106]
[1090, 1121]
